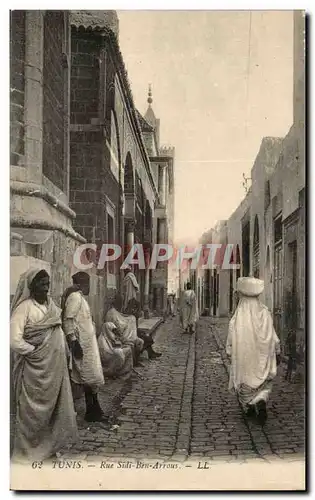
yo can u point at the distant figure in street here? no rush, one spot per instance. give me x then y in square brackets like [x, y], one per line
[189, 310]
[236, 301]
[44, 411]
[116, 358]
[254, 349]
[85, 365]
[127, 329]
[133, 309]
[131, 293]
[126, 326]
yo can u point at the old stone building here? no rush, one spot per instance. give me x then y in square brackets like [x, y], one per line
[41, 217]
[82, 168]
[162, 159]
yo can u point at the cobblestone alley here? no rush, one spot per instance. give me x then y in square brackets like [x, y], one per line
[178, 407]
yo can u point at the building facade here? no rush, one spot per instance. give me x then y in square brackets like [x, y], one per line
[82, 171]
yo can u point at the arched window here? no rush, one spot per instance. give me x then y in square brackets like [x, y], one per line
[148, 215]
[238, 261]
[256, 256]
[268, 268]
[17, 60]
[114, 147]
[54, 105]
[268, 279]
[129, 184]
[139, 229]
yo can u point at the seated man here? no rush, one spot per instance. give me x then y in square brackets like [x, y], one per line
[116, 359]
[127, 328]
[189, 310]
[85, 368]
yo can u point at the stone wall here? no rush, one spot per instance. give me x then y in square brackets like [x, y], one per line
[85, 77]
[85, 184]
[94, 189]
[17, 82]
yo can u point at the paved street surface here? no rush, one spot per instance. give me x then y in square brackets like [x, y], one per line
[149, 324]
[179, 407]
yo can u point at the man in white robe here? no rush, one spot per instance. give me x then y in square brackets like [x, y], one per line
[85, 367]
[189, 310]
[254, 349]
[45, 419]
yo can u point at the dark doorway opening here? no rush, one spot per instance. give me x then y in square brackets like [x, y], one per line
[246, 248]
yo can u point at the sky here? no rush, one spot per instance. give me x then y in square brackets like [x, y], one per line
[221, 81]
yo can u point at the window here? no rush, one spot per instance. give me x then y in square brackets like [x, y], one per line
[293, 264]
[267, 194]
[110, 240]
[256, 252]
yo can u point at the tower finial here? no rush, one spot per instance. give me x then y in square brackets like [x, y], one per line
[150, 100]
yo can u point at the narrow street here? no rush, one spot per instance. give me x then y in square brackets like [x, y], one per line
[178, 407]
